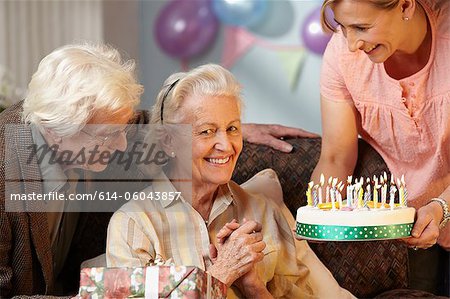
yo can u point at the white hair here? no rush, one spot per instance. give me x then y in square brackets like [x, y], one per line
[205, 80]
[75, 82]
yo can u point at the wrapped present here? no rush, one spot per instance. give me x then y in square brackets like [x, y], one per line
[149, 282]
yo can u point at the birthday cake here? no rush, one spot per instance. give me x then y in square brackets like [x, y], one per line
[366, 214]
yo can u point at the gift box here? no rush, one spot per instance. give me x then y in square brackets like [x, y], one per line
[149, 282]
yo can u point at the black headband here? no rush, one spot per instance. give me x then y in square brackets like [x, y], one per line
[165, 96]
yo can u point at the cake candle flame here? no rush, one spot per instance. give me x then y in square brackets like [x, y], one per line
[322, 179]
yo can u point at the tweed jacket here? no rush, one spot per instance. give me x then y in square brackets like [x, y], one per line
[26, 265]
[25, 255]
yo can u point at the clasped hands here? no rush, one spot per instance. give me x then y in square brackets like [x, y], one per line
[239, 248]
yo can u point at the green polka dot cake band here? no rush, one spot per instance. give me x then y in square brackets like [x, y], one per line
[350, 233]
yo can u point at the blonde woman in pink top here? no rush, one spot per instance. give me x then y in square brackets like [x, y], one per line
[385, 77]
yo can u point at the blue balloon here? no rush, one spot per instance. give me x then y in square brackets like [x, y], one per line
[239, 12]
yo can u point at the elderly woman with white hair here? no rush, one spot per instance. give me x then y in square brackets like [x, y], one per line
[80, 100]
[237, 233]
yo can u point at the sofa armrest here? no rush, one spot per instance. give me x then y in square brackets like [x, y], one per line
[364, 268]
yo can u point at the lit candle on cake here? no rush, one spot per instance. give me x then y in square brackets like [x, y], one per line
[334, 182]
[340, 187]
[350, 196]
[367, 196]
[375, 192]
[383, 191]
[333, 199]
[349, 191]
[322, 181]
[401, 193]
[333, 194]
[369, 189]
[327, 195]
[405, 192]
[383, 196]
[360, 195]
[309, 199]
[392, 192]
[315, 197]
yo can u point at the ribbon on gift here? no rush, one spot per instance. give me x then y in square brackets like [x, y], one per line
[174, 277]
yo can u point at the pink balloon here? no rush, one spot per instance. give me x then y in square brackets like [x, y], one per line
[313, 36]
[185, 28]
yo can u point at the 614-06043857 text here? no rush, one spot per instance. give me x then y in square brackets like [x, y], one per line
[141, 195]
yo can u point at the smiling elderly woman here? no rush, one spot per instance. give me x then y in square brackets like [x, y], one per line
[240, 237]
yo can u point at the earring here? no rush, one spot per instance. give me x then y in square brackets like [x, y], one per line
[172, 154]
[405, 19]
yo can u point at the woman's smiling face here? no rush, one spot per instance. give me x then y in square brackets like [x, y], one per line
[216, 137]
[377, 32]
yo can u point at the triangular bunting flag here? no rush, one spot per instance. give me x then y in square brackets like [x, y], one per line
[237, 42]
[292, 61]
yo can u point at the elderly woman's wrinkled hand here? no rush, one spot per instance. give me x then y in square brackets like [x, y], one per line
[426, 229]
[238, 251]
[226, 231]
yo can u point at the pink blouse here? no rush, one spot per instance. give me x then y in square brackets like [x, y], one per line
[407, 121]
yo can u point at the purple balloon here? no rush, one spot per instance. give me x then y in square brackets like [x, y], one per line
[185, 28]
[312, 34]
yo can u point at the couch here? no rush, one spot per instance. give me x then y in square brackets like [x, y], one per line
[366, 269]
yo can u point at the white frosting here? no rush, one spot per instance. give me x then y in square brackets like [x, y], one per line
[309, 215]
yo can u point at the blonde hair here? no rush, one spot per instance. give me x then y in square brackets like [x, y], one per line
[327, 24]
[205, 80]
[75, 82]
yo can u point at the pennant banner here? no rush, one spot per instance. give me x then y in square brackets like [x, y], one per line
[237, 42]
[292, 61]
